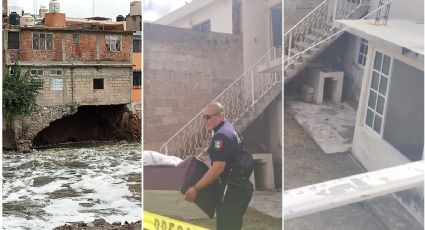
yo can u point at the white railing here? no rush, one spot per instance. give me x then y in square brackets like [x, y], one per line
[238, 98]
[316, 26]
[335, 193]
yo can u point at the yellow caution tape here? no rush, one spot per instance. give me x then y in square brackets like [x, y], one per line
[156, 222]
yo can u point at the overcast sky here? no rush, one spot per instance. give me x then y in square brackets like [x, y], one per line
[154, 9]
[80, 8]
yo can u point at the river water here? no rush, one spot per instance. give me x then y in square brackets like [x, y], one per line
[50, 187]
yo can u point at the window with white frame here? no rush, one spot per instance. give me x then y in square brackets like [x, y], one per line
[361, 58]
[56, 84]
[113, 43]
[378, 92]
[42, 41]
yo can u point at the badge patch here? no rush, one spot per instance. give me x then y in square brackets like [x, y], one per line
[218, 145]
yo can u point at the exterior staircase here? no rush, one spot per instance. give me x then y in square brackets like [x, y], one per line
[315, 32]
[244, 100]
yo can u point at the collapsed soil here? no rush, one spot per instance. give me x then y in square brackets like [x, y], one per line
[100, 123]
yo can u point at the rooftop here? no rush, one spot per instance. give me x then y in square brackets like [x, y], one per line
[404, 35]
[183, 11]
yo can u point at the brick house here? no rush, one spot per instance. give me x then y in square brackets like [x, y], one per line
[74, 65]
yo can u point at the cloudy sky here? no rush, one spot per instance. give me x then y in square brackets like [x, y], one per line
[153, 9]
[81, 8]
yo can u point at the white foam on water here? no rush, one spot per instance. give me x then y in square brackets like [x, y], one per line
[100, 183]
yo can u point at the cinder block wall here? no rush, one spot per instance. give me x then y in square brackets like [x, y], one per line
[183, 71]
[78, 87]
[295, 10]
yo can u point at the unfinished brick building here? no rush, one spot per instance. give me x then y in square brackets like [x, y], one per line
[74, 62]
[75, 66]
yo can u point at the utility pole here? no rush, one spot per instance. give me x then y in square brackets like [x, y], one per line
[93, 9]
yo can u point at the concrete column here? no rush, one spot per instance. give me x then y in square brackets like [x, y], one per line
[63, 42]
[97, 48]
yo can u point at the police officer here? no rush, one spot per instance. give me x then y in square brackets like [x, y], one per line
[223, 151]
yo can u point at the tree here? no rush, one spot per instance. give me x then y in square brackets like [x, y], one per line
[19, 98]
[19, 93]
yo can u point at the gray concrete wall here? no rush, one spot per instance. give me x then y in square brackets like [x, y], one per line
[295, 10]
[404, 121]
[78, 86]
[183, 71]
[353, 72]
[255, 30]
[264, 135]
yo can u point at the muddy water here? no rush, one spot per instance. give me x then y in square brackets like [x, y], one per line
[50, 187]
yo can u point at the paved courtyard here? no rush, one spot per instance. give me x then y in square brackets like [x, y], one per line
[306, 163]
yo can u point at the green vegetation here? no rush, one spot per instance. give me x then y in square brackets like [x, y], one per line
[19, 92]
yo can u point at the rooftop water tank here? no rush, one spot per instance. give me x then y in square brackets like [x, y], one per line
[135, 7]
[54, 6]
[14, 18]
[27, 20]
[43, 10]
[120, 18]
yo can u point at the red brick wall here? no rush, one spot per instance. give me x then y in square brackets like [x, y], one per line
[84, 51]
[123, 55]
[26, 53]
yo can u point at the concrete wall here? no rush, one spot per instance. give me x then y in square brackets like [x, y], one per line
[404, 121]
[133, 23]
[219, 13]
[371, 150]
[183, 71]
[264, 135]
[353, 72]
[256, 31]
[295, 10]
[78, 86]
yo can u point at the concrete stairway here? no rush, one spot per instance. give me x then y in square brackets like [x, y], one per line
[315, 32]
[244, 100]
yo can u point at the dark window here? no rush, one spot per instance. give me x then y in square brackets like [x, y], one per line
[75, 39]
[137, 79]
[205, 26]
[137, 46]
[36, 72]
[42, 41]
[98, 83]
[13, 40]
[38, 83]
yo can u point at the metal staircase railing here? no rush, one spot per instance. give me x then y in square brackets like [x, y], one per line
[315, 27]
[238, 98]
[316, 30]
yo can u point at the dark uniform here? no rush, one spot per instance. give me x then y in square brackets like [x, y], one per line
[225, 146]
